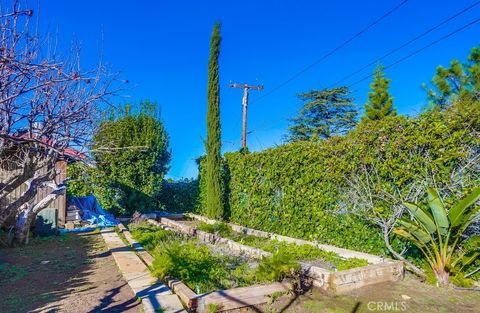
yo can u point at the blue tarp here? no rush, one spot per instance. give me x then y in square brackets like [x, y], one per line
[92, 213]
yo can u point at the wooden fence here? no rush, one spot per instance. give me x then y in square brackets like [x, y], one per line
[60, 203]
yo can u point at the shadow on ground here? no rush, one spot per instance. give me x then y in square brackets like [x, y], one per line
[72, 273]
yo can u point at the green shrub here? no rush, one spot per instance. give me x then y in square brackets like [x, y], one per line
[220, 228]
[278, 266]
[297, 252]
[190, 261]
[475, 269]
[185, 261]
[200, 268]
[213, 307]
[350, 263]
[179, 196]
[150, 236]
[309, 253]
[439, 232]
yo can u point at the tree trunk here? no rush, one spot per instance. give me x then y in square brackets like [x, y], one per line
[27, 216]
[32, 189]
[24, 220]
[442, 276]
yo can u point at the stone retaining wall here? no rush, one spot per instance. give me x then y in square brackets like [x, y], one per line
[344, 253]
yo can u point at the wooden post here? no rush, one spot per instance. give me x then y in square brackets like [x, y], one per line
[245, 106]
[244, 117]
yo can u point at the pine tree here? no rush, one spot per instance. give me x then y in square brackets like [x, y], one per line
[326, 113]
[461, 81]
[213, 170]
[380, 101]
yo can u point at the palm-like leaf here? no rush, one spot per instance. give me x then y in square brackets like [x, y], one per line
[423, 217]
[468, 219]
[446, 253]
[416, 231]
[405, 234]
[458, 211]
[465, 259]
[438, 210]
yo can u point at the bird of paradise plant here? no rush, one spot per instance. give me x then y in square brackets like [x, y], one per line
[438, 233]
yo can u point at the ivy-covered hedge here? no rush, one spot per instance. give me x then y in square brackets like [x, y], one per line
[297, 189]
[179, 196]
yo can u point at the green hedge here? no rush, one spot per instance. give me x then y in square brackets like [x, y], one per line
[297, 189]
[179, 196]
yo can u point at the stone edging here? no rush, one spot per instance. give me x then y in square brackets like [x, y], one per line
[336, 282]
[344, 253]
[154, 295]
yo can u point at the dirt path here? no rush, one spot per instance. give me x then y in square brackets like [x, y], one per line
[70, 273]
[409, 296]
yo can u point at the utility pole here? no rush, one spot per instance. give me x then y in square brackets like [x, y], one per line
[245, 105]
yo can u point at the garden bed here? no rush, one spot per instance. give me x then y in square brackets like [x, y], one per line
[300, 252]
[332, 269]
[203, 275]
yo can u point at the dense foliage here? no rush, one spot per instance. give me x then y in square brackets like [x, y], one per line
[179, 196]
[296, 189]
[213, 175]
[326, 113]
[199, 267]
[131, 157]
[80, 183]
[380, 101]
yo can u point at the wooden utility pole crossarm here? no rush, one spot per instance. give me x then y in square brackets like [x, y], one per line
[245, 88]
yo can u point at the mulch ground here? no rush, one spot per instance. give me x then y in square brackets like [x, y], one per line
[68, 273]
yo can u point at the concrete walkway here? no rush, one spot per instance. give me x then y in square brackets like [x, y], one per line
[155, 296]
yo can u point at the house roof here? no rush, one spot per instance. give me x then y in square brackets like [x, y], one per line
[69, 153]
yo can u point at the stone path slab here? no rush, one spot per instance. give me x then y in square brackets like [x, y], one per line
[154, 295]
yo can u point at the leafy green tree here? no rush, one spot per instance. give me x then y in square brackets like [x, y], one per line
[214, 203]
[79, 179]
[380, 101]
[131, 154]
[438, 233]
[458, 82]
[326, 113]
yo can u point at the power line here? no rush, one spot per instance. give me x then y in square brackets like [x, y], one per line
[406, 43]
[420, 50]
[333, 51]
[404, 58]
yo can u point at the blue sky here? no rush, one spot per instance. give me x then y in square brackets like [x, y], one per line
[162, 48]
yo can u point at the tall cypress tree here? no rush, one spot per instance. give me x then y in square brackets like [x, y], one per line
[380, 101]
[213, 170]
